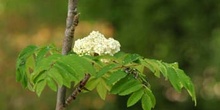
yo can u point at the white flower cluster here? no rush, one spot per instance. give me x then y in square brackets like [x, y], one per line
[96, 44]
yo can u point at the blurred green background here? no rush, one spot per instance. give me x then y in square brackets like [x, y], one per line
[184, 31]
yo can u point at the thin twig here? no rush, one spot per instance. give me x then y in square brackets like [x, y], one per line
[77, 90]
[71, 23]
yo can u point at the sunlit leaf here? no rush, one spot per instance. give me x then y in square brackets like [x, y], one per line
[51, 84]
[101, 89]
[92, 83]
[135, 97]
[40, 86]
[162, 68]
[146, 102]
[174, 79]
[145, 63]
[140, 68]
[187, 83]
[36, 77]
[153, 66]
[151, 96]
[30, 65]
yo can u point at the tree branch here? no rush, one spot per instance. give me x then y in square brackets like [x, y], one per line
[77, 90]
[71, 23]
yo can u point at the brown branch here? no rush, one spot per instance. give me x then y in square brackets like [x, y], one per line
[71, 23]
[77, 90]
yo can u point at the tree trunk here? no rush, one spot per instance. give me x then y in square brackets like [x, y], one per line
[71, 23]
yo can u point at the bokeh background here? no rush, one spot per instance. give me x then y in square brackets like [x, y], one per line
[184, 31]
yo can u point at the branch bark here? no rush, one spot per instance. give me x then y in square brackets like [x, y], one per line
[78, 89]
[71, 23]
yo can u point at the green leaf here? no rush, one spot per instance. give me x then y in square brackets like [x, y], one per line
[51, 84]
[41, 53]
[65, 75]
[68, 72]
[30, 87]
[40, 86]
[80, 64]
[162, 68]
[120, 54]
[21, 74]
[131, 58]
[174, 65]
[174, 79]
[132, 88]
[155, 66]
[53, 73]
[24, 80]
[47, 62]
[36, 77]
[101, 89]
[26, 52]
[18, 75]
[116, 76]
[92, 83]
[84, 63]
[30, 64]
[187, 83]
[135, 97]
[105, 69]
[123, 84]
[93, 60]
[146, 64]
[140, 68]
[146, 102]
[151, 96]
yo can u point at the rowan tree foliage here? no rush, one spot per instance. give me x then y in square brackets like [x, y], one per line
[121, 74]
[95, 63]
